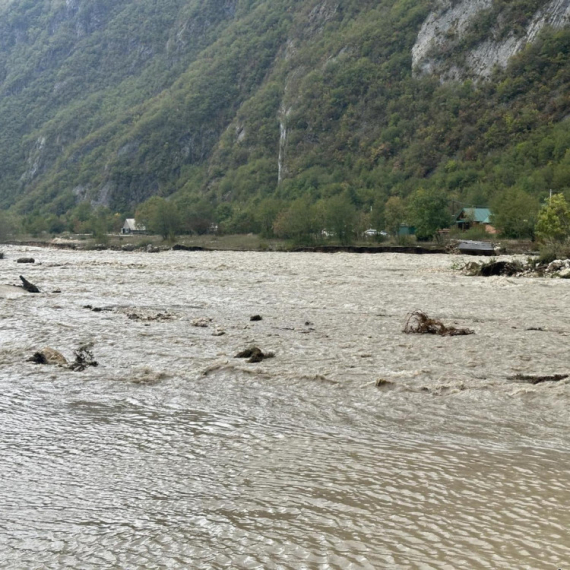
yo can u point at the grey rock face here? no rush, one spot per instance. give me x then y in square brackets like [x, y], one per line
[447, 24]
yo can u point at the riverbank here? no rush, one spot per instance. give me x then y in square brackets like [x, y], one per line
[245, 242]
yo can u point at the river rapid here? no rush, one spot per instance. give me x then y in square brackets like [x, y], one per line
[172, 453]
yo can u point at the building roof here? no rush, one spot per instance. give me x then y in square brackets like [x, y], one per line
[130, 224]
[479, 215]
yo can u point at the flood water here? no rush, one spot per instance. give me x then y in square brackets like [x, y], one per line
[174, 454]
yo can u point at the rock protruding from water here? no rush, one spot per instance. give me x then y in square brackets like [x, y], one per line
[256, 318]
[29, 287]
[254, 354]
[48, 355]
[25, 260]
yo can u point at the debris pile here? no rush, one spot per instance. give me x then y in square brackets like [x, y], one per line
[532, 268]
[83, 358]
[493, 267]
[201, 322]
[141, 315]
[558, 268]
[419, 323]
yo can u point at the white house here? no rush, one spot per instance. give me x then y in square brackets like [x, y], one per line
[131, 227]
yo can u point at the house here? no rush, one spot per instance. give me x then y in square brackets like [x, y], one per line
[473, 217]
[131, 227]
[406, 230]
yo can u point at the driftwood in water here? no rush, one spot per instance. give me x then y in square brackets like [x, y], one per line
[419, 323]
[29, 287]
[534, 379]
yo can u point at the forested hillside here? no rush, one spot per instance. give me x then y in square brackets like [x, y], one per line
[236, 110]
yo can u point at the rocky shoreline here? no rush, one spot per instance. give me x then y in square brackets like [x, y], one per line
[533, 267]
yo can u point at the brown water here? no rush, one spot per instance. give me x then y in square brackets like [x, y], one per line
[174, 454]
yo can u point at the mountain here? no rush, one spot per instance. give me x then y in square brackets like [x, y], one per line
[233, 102]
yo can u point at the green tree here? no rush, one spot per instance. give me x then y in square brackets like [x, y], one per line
[265, 215]
[553, 225]
[299, 222]
[160, 216]
[196, 216]
[428, 212]
[515, 213]
[394, 214]
[340, 218]
[8, 225]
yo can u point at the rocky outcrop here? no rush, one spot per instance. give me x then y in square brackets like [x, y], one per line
[447, 25]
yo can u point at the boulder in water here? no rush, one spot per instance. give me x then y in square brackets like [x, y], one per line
[254, 354]
[48, 356]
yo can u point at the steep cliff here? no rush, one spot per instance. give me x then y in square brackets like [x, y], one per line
[481, 34]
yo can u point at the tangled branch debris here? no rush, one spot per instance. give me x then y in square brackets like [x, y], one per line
[419, 323]
[83, 358]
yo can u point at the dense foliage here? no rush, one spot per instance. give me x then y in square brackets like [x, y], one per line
[271, 116]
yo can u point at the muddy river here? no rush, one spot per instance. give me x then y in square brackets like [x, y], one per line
[172, 453]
